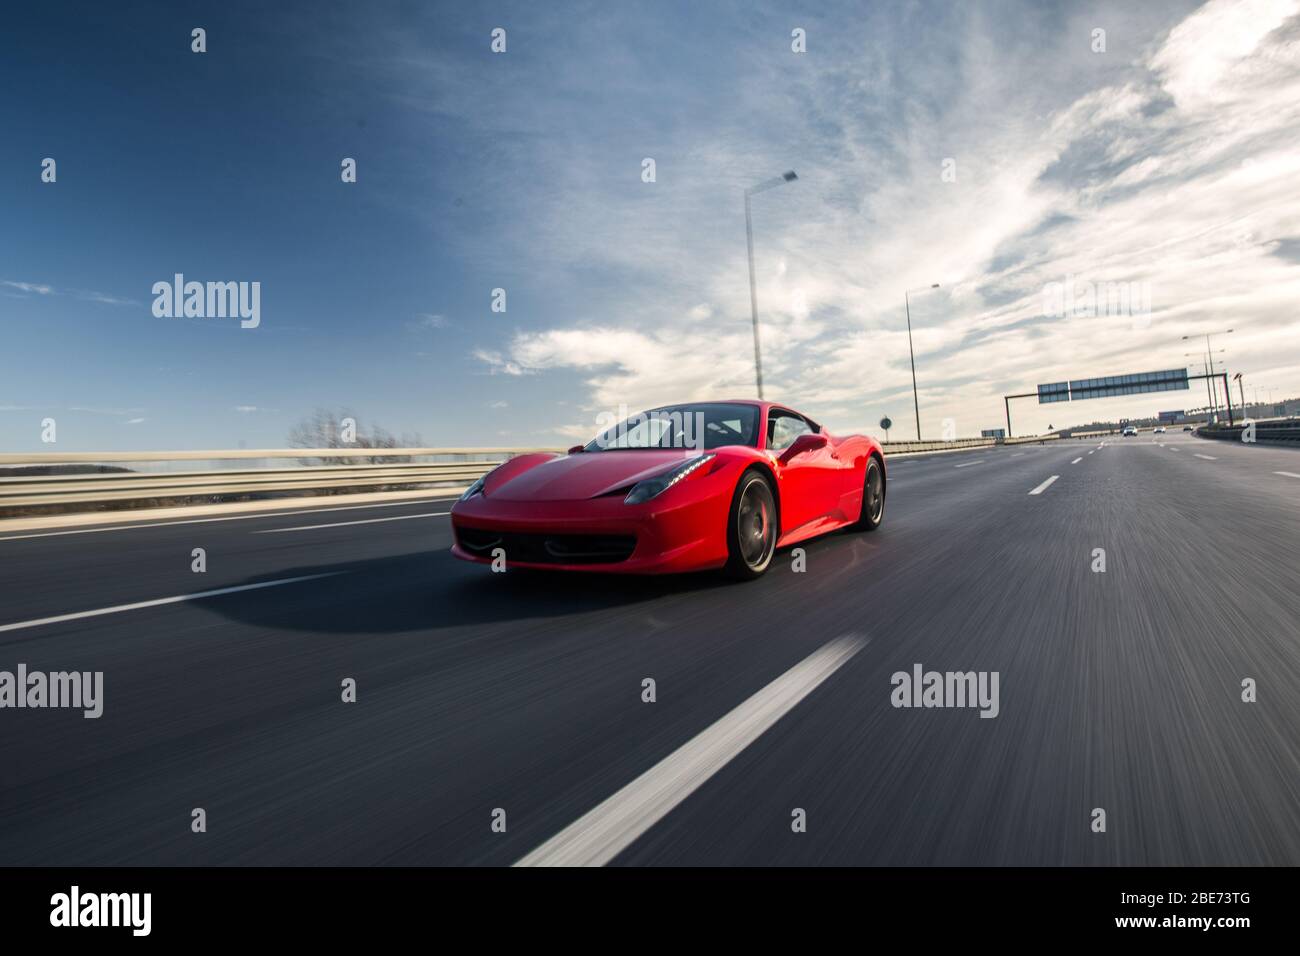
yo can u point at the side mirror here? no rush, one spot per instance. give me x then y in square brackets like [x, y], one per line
[575, 449]
[804, 443]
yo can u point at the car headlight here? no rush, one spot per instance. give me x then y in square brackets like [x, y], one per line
[651, 487]
[472, 490]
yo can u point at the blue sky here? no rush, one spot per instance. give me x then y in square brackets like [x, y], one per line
[1169, 159]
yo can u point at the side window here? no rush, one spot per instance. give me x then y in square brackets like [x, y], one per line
[783, 428]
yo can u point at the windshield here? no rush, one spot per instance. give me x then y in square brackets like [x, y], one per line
[700, 426]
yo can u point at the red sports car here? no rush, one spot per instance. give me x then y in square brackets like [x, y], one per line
[679, 488]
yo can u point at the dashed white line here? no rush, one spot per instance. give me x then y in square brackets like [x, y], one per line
[966, 464]
[117, 609]
[1017, 454]
[1206, 457]
[245, 517]
[1092, 451]
[1288, 474]
[1044, 486]
[605, 831]
[1077, 460]
[344, 524]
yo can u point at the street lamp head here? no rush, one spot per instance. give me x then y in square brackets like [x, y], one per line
[788, 176]
[935, 286]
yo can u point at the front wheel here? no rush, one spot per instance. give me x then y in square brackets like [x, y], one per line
[873, 497]
[751, 528]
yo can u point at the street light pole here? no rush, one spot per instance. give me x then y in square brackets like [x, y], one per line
[916, 405]
[785, 177]
[1209, 384]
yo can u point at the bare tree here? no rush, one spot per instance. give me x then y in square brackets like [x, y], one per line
[324, 428]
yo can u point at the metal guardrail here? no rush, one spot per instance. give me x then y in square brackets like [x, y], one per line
[47, 491]
[1282, 430]
[1029, 439]
[318, 473]
[907, 447]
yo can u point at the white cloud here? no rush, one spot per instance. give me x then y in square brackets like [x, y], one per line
[497, 364]
[1138, 178]
[39, 288]
[32, 287]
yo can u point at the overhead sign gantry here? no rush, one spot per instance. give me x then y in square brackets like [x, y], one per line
[1110, 386]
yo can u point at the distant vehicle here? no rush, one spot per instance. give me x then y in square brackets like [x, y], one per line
[1187, 428]
[1158, 430]
[1128, 430]
[679, 488]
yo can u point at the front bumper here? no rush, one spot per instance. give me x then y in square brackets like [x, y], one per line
[686, 534]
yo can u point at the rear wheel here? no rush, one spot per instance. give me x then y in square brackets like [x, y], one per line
[873, 496]
[751, 527]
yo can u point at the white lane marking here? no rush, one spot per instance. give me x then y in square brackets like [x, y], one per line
[344, 524]
[1017, 454]
[609, 828]
[262, 514]
[1092, 451]
[966, 464]
[1043, 487]
[1288, 474]
[1206, 457]
[1077, 460]
[160, 601]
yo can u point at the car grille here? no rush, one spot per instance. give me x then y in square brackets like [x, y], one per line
[548, 548]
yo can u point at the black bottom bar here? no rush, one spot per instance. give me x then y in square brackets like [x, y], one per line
[338, 906]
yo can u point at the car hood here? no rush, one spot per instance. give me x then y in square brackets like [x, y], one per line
[586, 475]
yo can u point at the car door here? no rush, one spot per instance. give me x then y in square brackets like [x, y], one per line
[810, 479]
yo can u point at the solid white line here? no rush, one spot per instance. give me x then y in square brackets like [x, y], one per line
[1043, 487]
[1289, 474]
[344, 524]
[167, 600]
[601, 834]
[1206, 457]
[260, 514]
[1077, 460]
[968, 463]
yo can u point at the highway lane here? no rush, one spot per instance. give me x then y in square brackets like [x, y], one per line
[523, 692]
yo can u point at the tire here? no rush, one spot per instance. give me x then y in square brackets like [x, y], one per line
[751, 527]
[873, 501]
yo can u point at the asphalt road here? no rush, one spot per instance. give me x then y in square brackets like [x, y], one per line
[1118, 690]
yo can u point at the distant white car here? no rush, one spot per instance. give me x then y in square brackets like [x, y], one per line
[1158, 430]
[1128, 430]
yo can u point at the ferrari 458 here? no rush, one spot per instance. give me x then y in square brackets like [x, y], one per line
[692, 487]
